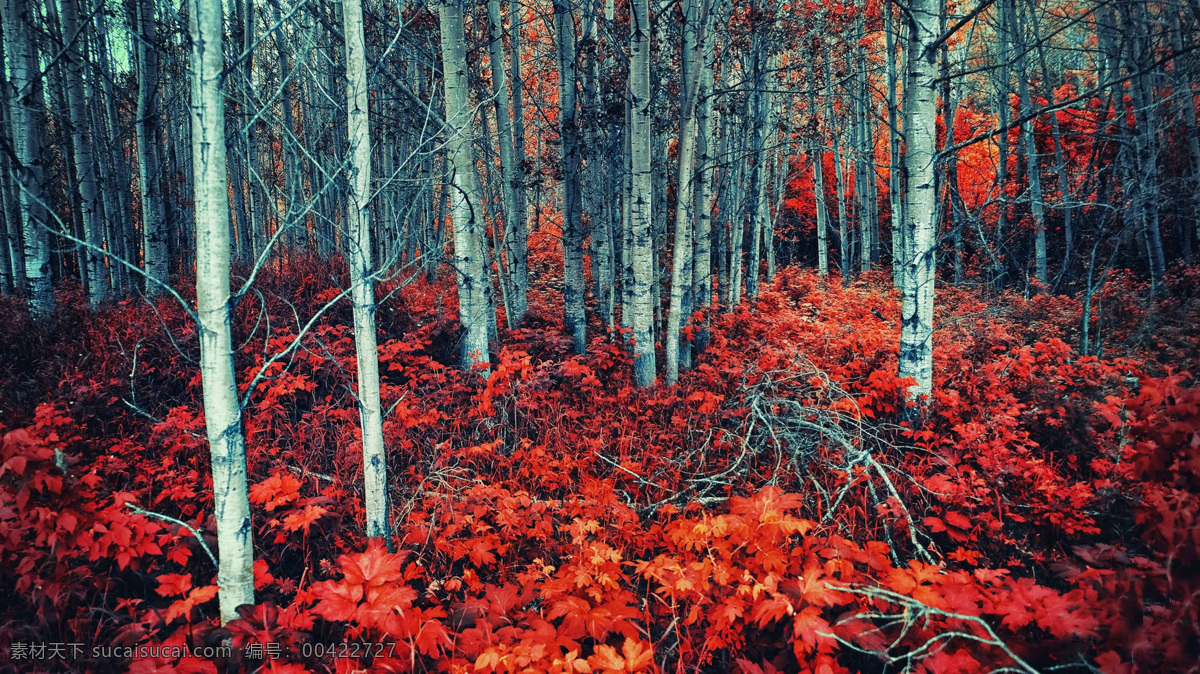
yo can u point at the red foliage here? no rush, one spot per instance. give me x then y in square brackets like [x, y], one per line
[552, 518]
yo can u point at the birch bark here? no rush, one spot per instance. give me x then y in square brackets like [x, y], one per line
[574, 313]
[641, 242]
[517, 291]
[28, 115]
[235, 575]
[149, 134]
[466, 193]
[89, 200]
[362, 291]
[681, 281]
[920, 120]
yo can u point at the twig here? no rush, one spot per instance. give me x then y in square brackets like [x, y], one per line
[914, 611]
[185, 525]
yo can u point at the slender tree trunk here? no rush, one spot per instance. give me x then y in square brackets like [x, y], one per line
[67, 256]
[1186, 86]
[575, 317]
[10, 220]
[594, 191]
[840, 183]
[434, 247]
[721, 230]
[616, 218]
[7, 224]
[513, 216]
[681, 280]
[822, 211]
[13, 194]
[1066, 199]
[258, 219]
[118, 168]
[1145, 133]
[758, 178]
[846, 265]
[12, 264]
[28, 115]
[222, 414]
[917, 288]
[362, 292]
[519, 249]
[951, 200]
[780, 183]
[895, 199]
[292, 187]
[1004, 109]
[737, 219]
[1032, 166]
[466, 194]
[627, 221]
[154, 219]
[641, 242]
[93, 232]
[865, 166]
[702, 287]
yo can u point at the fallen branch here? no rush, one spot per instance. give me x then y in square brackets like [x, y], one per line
[914, 612]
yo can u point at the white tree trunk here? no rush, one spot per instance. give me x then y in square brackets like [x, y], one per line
[516, 292]
[362, 292]
[518, 251]
[1187, 92]
[89, 201]
[864, 169]
[737, 215]
[154, 219]
[222, 414]
[641, 243]
[28, 115]
[116, 192]
[574, 313]
[822, 209]
[758, 178]
[466, 195]
[702, 286]
[681, 277]
[839, 178]
[626, 258]
[1032, 165]
[917, 279]
[895, 200]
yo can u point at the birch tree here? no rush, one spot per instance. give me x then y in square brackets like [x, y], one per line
[641, 244]
[1029, 144]
[917, 274]
[895, 201]
[574, 312]
[681, 281]
[821, 208]
[28, 116]
[13, 243]
[466, 193]
[89, 200]
[362, 292]
[706, 173]
[1185, 83]
[154, 220]
[760, 212]
[514, 215]
[519, 249]
[235, 545]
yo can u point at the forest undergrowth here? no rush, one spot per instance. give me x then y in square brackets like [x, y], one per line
[772, 512]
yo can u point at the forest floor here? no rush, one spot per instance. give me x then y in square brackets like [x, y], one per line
[770, 513]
